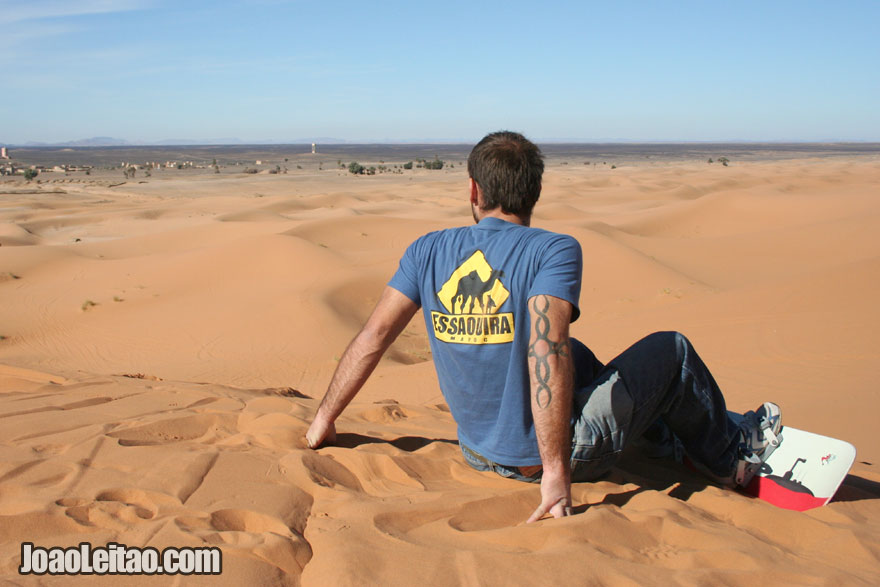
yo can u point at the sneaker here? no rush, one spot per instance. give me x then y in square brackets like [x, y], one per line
[761, 429]
[761, 434]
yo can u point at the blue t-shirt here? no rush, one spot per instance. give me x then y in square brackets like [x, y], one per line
[473, 284]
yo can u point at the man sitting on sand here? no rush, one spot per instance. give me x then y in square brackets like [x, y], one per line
[530, 402]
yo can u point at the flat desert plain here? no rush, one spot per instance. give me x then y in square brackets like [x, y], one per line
[166, 339]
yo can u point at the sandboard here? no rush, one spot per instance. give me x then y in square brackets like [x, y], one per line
[804, 471]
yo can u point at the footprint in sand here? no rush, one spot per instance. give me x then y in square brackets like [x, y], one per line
[478, 516]
[392, 412]
[108, 515]
[258, 534]
[117, 516]
[205, 428]
[150, 501]
[494, 513]
[237, 520]
[400, 525]
[327, 472]
[117, 509]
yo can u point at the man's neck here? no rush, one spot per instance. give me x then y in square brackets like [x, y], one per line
[501, 215]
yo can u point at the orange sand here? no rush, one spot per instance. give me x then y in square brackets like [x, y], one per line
[165, 344]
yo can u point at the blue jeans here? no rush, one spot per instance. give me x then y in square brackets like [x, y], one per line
[658, 387]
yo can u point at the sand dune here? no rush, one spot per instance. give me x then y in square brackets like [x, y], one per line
[164, 345]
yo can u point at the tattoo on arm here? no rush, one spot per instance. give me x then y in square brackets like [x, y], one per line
[543, 394]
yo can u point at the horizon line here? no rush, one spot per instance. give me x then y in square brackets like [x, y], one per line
[109, 142]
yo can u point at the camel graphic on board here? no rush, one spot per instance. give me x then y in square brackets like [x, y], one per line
[472, 289]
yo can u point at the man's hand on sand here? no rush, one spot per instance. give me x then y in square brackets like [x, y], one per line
[555, 497]
[320, 432]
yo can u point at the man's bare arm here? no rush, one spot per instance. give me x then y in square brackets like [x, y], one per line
[390, 316]
[552, 378]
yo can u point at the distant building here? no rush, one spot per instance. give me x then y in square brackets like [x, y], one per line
[4, 153]
[314, 148]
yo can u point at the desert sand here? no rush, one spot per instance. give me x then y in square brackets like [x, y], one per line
[166, 341]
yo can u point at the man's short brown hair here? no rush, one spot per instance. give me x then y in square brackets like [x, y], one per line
[508, 168]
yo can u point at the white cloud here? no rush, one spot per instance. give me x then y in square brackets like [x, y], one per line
[12, 11]
[22, 36]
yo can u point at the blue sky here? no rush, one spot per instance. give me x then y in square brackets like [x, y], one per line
[150, 70]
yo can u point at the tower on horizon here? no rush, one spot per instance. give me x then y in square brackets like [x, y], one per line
[314, 148]
[4, 153]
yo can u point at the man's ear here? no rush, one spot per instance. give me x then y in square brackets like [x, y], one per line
[475, 193]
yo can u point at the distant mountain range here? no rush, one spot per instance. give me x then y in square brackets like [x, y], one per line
[114, 142]
[93, 142]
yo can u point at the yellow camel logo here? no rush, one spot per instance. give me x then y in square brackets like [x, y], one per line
[472, 296]
[473, 285]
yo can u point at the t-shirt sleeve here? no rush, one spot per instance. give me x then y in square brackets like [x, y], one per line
[559, 274]
[405, 279]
